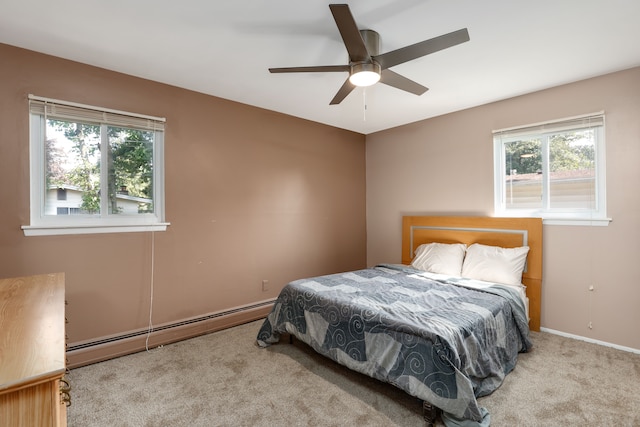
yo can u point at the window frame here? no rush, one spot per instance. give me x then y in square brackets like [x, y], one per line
[41, 224]
[596, 216]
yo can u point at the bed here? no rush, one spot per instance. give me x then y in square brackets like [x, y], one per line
[445, 326]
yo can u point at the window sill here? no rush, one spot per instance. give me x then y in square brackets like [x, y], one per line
[563, 218]
[587, 222]
[51, 230]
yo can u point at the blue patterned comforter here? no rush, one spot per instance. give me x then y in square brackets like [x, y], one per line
[436, 339]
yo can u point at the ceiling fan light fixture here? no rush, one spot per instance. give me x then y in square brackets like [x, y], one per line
[366, 64]
[365, 74]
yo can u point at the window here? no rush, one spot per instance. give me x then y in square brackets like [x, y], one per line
[553, 170]
[94, 170]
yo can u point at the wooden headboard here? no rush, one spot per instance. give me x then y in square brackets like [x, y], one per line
[504, 232]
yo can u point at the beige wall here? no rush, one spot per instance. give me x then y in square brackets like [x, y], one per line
[445, 166]
[250, 195]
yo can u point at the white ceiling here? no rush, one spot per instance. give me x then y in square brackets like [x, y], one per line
[224, 48]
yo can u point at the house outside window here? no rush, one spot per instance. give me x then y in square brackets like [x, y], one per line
[94, 170]
[553, 170]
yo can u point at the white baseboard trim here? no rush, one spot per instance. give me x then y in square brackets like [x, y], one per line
[591, 340]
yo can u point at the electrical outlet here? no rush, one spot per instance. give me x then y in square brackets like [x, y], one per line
[265, 285]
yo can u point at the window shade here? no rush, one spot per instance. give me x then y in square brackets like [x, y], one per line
[86, 113]
[564, 125]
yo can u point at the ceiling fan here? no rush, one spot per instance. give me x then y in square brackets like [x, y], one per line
[366, 66]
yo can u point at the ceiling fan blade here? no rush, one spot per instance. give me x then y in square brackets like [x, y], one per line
[407, 53]
[350, 33]
[394, 79]
[312, 69]
[345, 90]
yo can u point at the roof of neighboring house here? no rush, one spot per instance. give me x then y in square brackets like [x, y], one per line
[119, 195]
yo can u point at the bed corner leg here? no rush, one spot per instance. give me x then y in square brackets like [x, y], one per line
[429, 413]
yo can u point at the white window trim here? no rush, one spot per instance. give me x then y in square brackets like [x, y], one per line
[554, 218]
[45, 225]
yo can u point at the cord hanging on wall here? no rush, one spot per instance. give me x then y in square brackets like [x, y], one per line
[153, 256]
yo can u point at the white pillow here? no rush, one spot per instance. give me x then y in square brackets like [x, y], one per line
[495, 264]
[441, 258]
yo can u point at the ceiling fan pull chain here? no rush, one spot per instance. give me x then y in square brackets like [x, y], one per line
[364, 104]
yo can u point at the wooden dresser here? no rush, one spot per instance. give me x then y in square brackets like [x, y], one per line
[32, 351]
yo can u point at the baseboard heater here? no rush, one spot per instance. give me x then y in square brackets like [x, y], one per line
[87, 352]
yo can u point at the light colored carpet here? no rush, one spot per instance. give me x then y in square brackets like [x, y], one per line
[224, 379]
